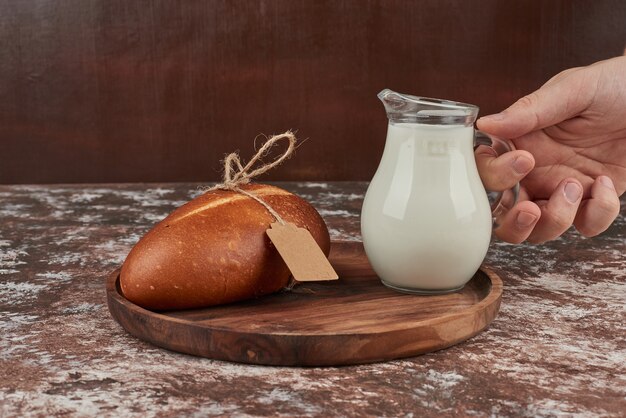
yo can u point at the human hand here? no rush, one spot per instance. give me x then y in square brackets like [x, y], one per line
[570, 137]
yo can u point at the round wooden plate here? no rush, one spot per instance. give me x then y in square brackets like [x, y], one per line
[350, 321]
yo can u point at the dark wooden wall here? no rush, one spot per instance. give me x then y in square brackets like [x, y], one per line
[161, 90]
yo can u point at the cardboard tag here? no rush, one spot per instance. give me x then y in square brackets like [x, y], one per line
[303, 256]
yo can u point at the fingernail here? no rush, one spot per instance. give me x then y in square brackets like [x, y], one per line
[495, 117]
[573, 192]
[522, 165]
[605, 181]
[525, 219]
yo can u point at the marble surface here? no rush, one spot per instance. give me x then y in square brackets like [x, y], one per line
[557, 347]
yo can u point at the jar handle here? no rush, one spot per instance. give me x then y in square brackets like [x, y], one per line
[505, 200]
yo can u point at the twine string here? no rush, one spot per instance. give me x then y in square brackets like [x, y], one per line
[236, 174]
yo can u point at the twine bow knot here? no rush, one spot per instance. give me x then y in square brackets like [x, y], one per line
[236, 174]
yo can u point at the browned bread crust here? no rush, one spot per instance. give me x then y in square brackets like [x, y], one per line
[214, 250]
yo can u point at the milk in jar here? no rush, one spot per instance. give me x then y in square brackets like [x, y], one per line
[426, 220]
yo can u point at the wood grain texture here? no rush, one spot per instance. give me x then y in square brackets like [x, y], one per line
[355, 320]
[159, 90]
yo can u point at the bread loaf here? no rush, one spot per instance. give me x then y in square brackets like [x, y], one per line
[214, 250]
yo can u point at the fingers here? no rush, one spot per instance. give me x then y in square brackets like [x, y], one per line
[597, 213]
[558, 213]
[503, 172]
[565, 97]
[545, 220]
[518, 223]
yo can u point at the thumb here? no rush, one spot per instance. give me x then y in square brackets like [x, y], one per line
[553, 103]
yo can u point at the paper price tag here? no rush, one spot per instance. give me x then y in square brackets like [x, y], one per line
[303, 256]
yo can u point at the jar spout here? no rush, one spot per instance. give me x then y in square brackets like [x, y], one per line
[404, 108]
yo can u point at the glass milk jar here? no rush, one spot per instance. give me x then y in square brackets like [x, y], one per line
[426, 220]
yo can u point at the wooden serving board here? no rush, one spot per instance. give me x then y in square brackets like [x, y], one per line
[350, 321]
